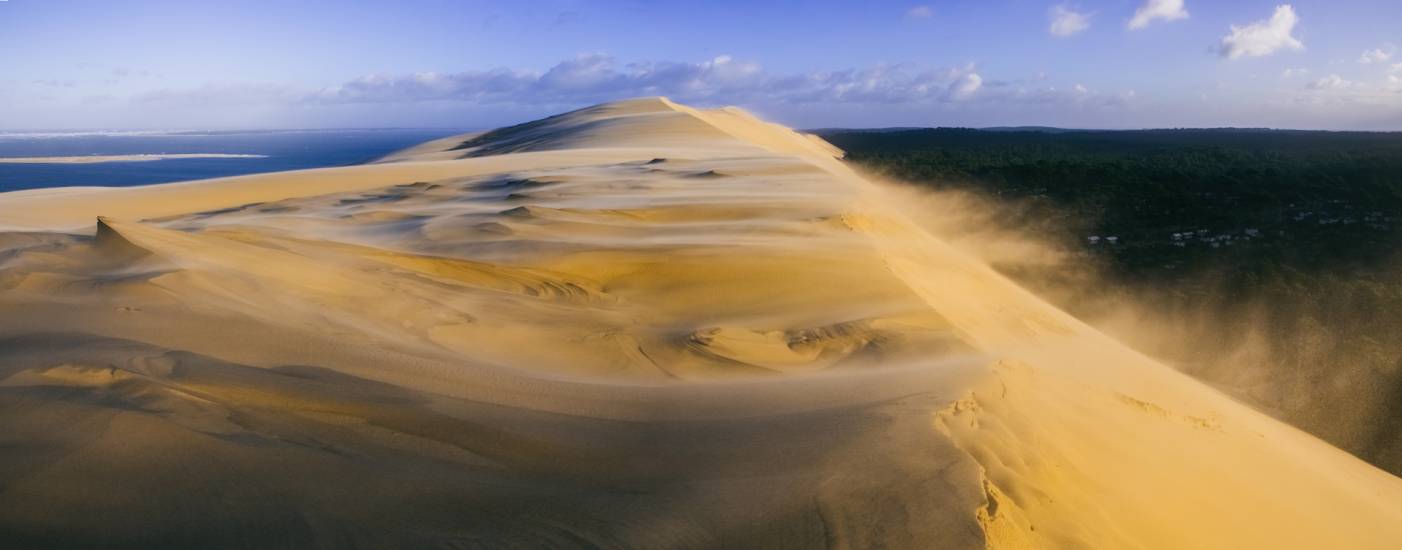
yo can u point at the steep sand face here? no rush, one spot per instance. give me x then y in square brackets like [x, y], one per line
[633, 325]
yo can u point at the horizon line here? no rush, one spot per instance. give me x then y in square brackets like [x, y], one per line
[57, 132]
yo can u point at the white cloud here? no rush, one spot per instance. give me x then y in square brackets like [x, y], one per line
[1376, 55]
[965, 86]
[1167, 10]
[1291, 73]
[920, 12]
[1263, 37]
[1331, 82]
[1066, 22]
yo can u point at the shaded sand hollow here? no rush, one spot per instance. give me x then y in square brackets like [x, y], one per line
[636, 325]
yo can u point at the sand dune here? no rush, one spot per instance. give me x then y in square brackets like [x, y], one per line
[636, 325]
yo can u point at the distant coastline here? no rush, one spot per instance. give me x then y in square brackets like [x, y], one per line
[92, 159]
[122, 159]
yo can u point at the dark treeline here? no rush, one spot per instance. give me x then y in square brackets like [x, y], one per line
[1285, 238]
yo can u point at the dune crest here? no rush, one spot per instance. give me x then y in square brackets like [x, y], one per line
[637, 324]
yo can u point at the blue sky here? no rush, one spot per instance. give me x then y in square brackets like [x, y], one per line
[157, 64]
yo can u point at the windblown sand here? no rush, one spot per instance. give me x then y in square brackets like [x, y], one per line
[637, 325]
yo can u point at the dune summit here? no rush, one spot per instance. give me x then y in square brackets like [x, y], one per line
[637, 325]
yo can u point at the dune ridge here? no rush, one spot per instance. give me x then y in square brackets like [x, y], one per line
[633, 325]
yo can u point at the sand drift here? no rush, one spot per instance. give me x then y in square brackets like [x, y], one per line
[637, 325]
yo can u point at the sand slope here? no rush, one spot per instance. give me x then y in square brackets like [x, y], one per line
[637, 325]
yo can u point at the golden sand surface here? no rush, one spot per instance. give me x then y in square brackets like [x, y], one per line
[637, 325]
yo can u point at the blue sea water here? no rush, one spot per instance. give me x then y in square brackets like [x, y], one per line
[284, 150]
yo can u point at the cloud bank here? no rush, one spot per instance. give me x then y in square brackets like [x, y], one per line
[881, 94]
[599, 77]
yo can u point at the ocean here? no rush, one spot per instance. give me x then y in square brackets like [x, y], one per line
[278, 150]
